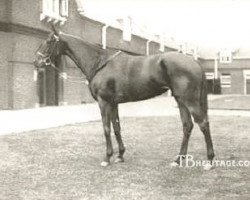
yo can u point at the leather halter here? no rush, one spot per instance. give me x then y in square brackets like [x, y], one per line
[46, 59]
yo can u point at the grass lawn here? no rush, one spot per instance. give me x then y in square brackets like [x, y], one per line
[231, 103]
[64, 163]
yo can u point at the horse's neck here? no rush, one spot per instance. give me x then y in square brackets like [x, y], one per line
[84, 55]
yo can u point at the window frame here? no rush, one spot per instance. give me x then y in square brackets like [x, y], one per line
[54, 10]
[226, 80]
[225, 56]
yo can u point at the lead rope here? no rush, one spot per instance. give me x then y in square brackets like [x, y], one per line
[60, 73]
[86, 82]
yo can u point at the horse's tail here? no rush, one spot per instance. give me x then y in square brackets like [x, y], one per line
[203, 97]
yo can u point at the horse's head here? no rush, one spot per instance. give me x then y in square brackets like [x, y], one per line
[49, 50]
[79, 51]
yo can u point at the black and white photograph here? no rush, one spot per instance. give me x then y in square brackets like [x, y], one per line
[124, 99]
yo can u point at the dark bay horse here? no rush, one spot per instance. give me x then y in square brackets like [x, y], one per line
[120, 78]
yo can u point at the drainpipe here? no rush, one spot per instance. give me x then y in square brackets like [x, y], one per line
[216, 68]
[147, 47]
[80, 7]
[104, 36]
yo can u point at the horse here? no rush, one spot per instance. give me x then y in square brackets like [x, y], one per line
[120, 77]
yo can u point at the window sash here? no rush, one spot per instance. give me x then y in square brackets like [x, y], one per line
[57, 8]
[209, 75]
[226, 57]
[225, 80]
[64, 8]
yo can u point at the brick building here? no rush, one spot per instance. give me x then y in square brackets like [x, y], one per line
[228, 72]
[24, 24]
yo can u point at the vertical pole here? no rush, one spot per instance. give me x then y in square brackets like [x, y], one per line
[104, 36]
[215, 82]
[216, 68]
[147, 47]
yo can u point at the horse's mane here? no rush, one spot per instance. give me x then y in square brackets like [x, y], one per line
[91, 45]
[97, 46]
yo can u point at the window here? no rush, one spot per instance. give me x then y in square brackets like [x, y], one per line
[225, 56]
[127, 29]
[55, 11]
[209, 75]
[64, 8]
[225, 80]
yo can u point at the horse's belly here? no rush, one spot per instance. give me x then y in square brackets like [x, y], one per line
[136, 92]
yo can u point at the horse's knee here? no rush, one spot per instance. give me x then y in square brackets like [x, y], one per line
[107, 130]
[117, 129]
[204, 126]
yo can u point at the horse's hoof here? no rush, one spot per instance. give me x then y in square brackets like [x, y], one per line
[119, 160]
[174, 164]
[208, 166]
[105, 163]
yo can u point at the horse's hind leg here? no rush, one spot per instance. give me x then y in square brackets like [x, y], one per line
[106, 111]
[187, 128]
[201, 118]
[117, 130]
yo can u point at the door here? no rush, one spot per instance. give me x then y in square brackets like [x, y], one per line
[210, 82]
[41, 78]
[210, 86]
[248, 86]
[51, 87]
[48, 87]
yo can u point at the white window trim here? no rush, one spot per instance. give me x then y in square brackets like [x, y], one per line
[209, 75]
[127, 29]
[225, 83]
[246, 74]
[224, 55]
[64, 8]
[55, 17]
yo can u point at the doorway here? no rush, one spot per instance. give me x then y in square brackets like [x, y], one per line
[48, 85]
[246, 74]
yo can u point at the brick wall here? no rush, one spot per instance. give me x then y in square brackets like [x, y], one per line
[24, 87]
[208, 65]
[3, 10]
[4, 54]
[75, 91]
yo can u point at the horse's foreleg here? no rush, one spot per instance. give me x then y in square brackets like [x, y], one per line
[187, 128]
[117, 129]
[106, 111]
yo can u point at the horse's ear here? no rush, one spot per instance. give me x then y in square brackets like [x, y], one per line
[56, 32]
